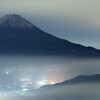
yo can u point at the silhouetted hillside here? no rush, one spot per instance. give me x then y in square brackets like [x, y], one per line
[19, 36]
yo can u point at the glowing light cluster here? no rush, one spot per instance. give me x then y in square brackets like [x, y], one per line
[42, 83]
[24, 79]
[24, 89]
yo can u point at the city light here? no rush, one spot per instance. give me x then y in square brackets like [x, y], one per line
[42, 83]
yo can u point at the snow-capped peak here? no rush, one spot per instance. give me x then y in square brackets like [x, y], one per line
[13, 20]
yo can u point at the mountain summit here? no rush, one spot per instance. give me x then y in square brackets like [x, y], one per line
[19, 36]
[13, 20]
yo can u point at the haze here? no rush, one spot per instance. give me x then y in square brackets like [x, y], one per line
[73, 92]
[44, 70]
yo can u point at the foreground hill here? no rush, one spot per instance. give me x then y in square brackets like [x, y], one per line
[77, 80]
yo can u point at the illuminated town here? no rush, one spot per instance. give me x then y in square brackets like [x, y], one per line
[21, 80]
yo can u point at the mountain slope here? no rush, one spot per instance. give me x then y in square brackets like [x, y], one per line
[19, 36]
[77, 80]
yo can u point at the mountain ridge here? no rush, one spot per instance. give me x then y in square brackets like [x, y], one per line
[24, 39]
[81, 79]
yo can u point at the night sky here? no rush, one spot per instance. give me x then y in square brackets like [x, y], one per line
[74, 20]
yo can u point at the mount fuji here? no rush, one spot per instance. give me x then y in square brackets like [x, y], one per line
[19, 36]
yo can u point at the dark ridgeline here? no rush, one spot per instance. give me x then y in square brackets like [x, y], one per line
[19, 36]
[77, 80]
